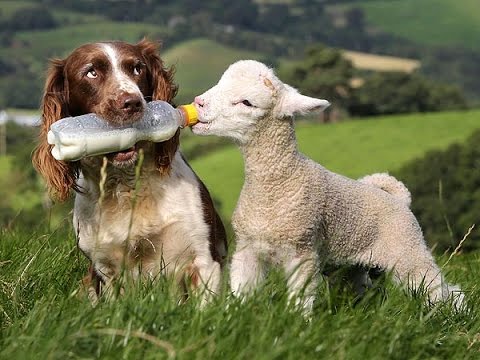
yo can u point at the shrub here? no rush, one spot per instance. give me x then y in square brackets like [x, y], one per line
[21, 91]
[32, 18]
[396, 92]
[445, 187]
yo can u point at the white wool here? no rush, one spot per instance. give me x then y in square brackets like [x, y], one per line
[389, 184]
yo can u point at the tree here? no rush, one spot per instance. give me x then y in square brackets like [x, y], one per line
[31, 18]
[397, 92]
[6, 67]
[355, 19]
[274, 18]
[323, 73]
[241, 13]
[21, 90]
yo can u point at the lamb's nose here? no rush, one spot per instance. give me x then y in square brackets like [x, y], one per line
[199, 101]
[132, 104]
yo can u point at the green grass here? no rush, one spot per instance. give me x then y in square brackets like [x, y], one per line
[5, 165]
[15, 111]
[9, 179]
[432, 22]
[200, 63]
[352, 148]
[43, 317]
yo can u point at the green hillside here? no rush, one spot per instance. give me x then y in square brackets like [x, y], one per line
[38, 46]
[432, 22]
[61, 16]
[353, 148]
[10, 6]
[200, 63]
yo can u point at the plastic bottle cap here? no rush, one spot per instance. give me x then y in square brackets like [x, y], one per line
[192, 114]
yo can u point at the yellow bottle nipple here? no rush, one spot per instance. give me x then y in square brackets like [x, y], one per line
[190, 114]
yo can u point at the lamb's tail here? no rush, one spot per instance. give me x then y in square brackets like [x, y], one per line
[389, 184]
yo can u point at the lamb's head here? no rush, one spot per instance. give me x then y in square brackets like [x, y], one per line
[247, 94]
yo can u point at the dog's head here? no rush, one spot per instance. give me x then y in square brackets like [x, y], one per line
[247, 93]
[115, 80]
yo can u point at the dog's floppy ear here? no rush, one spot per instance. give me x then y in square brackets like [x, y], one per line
[163, 88]
[60, 176]
[160, 78]
[292, 102]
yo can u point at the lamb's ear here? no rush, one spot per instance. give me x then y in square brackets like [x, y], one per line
[295, 103]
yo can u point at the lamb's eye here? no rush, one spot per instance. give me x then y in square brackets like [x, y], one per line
[247, 103]
[137, 69]
[92, 74]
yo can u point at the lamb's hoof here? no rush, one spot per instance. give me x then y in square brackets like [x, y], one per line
[458, 300]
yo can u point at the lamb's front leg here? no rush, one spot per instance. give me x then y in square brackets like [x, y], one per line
[302, 279]
[246, 272]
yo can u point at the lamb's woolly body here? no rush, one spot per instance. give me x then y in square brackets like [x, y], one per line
[295, 213]
[310, 203]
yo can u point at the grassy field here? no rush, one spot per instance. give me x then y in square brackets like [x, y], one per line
[5, 164]
[352, 148]
[42, 315]
[449, 22]
[365, 61]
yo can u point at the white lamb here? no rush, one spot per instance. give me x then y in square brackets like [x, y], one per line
[294, 213]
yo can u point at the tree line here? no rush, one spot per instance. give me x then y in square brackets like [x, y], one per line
[324, 72]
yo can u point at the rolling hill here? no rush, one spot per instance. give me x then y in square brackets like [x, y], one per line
[200, 63]
[449, 22]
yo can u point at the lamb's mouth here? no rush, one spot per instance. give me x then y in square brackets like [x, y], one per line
[201, 126]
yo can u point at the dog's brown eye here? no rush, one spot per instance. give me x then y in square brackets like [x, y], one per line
[137, 69]
[92, 74]
[247, 103]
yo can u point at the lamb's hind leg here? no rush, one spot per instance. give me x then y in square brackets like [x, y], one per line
[302, 277]
[412, 264]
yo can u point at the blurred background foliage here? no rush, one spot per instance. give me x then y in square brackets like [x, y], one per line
[426, 60]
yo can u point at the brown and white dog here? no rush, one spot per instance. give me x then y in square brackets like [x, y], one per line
[171, 227]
